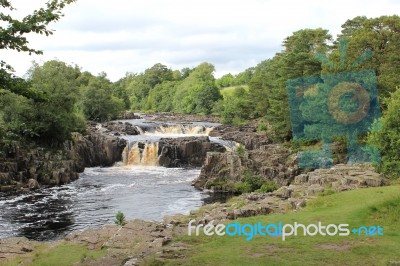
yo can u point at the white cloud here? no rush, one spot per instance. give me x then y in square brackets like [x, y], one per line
[126, 35]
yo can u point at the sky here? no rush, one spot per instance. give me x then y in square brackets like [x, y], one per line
[123, 36]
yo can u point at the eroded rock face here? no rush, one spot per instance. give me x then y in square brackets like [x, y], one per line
[30, 168]
[95, 149]
[269, 161]
[341, 177]
[190, 151]
[295, 195]
[118, 128]
[168, 117]
[245, 135]
[272, 162]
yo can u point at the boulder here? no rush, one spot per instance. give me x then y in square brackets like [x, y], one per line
[188, 151]
[33, 184]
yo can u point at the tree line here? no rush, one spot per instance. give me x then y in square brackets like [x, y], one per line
[56, 99]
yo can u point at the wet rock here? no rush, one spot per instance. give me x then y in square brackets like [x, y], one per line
[271, 163]
[33, 184]
[129, 115]
[173, 117]
[121, 128]
[245, 135]
[55, 167]
[190, 151]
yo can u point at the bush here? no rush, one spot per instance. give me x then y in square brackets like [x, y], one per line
[253, 180]
[384, 134]
[240, 150]
[262, 127]
[267, 186]
[327, 192]
[120, 218]
[236, 107]
[98, 102]
[242, 187]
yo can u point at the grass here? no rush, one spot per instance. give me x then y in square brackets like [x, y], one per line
[369, 207]
[62, 254]
[227, 91]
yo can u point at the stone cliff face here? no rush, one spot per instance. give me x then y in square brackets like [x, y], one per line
[296, 195]
[29, 168]
[270, 161]
[95, 149]
[246, 135]
[190, 151]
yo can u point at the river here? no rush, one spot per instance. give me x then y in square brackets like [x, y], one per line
[138, 188]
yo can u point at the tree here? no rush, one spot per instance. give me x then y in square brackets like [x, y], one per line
[161, 97]
[56, 117]
[98, 102]
[16, 116]
[380, 35]
[157, 74]
[297, 60]
[198, 92]
[384, 134]
[141, 84]
[120, 89]
[225, 81]
[14, 32]
[236, 107]
[244, 77]
[260, 88]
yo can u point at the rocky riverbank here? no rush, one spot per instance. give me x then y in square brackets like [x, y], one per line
[136, 240]
[24, 168]
[221, 170]
[182, 118]
[270, 162]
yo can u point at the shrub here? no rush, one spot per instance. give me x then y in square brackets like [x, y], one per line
[268, 186]
[384, 134]
[327, 192]
[253, 180]
[262, 127]
[120, 218]
[240, 150]
[242, 187]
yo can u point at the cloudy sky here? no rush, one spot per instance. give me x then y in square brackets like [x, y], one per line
[131, 35]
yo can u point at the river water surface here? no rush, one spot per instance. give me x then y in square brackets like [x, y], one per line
[146, 193]
[137, 189]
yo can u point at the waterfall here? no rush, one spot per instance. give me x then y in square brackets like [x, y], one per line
[142, 149]
[140, 130]
[178, 129]
[181, 129]
[150, 154]
[141, 154]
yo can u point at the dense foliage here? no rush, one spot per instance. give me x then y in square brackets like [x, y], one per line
[385, 135]
[14, 32]
[56, 99]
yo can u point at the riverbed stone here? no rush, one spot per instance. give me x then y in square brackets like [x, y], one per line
[33, 184]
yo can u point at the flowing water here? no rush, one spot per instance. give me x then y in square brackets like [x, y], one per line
[137, 187]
